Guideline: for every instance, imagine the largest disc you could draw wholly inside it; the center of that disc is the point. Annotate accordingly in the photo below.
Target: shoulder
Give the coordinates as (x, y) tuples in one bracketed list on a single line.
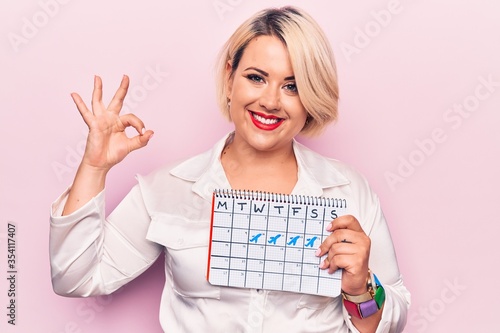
[(363, 201), (327, 167), (161, 190), (190, 169), (175, 171)]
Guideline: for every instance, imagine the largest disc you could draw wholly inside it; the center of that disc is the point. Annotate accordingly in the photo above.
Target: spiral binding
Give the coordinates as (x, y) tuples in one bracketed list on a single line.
[(280, 198)]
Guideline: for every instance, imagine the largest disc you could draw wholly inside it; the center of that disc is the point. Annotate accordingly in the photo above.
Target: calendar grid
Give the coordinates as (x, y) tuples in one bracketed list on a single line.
[(267, 241), (265, 245), (246, 262), (318, 273), (230, 247), (285, 254), (302, 266)]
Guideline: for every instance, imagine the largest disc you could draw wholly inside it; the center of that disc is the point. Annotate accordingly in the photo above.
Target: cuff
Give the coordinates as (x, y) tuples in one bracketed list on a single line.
[(57, 207)]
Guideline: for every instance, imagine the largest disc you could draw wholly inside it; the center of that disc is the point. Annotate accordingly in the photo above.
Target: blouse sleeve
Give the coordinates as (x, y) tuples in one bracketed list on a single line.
[(94, 255), (383, 263)]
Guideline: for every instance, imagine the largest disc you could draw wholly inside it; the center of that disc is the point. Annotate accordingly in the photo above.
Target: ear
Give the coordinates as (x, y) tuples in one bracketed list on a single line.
[(229, 80)]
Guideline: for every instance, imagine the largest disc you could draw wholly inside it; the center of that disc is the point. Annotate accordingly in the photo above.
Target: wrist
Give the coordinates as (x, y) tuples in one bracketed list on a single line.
[(89, 181), (368, 303), (357, 285), (92, 171)]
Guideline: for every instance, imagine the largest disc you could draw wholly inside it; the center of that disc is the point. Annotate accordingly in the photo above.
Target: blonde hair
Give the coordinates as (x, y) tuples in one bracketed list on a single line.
[(310, 55)]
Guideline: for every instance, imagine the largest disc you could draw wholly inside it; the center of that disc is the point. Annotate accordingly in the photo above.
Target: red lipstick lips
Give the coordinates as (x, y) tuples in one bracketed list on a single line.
[(265, 122)]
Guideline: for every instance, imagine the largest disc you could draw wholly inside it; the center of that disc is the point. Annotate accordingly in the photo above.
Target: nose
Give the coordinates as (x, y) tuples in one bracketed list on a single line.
[(270, 98)]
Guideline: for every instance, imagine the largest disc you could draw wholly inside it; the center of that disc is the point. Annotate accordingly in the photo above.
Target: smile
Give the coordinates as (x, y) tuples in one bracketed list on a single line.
[(266, 122)]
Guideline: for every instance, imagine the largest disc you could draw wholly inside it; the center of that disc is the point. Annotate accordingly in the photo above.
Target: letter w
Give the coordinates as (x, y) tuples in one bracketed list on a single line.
[(257, 210)]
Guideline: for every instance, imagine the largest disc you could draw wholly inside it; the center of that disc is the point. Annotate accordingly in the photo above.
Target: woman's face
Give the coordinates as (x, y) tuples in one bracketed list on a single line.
[(265, 105)]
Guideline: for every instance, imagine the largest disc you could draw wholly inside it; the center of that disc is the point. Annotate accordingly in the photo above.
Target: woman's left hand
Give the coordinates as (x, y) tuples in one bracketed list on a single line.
[(348, 247)]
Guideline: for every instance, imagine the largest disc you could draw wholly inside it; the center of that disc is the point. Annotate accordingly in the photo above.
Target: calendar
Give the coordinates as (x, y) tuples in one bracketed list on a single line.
[(268, 241)]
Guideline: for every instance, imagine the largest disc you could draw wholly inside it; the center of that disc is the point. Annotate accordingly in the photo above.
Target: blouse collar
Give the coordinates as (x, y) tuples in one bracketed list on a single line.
[(315, 172)]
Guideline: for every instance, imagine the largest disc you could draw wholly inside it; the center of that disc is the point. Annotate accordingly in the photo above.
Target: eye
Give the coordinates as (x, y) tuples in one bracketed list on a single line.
[(291, 87), (255, 78)]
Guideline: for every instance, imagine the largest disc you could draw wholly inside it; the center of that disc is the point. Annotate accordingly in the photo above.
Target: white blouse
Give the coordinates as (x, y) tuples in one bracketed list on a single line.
[(169, 211)]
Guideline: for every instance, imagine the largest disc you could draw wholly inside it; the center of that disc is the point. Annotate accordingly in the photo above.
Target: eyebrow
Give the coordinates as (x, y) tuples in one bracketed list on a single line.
[(266, 74)]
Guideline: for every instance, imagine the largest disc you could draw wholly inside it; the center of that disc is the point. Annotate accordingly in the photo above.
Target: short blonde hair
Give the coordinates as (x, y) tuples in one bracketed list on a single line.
[(310, 55)]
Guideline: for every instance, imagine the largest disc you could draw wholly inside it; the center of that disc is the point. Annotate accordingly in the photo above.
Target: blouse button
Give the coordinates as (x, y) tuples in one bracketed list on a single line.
[(180, 241)]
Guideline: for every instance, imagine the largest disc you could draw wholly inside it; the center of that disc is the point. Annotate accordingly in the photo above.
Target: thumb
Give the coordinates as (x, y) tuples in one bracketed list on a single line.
[(140, 140)]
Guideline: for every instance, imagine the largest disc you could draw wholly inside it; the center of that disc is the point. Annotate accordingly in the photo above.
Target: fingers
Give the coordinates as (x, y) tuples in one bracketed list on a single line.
[(97, 95), (140, 141), (337, 246), (143, 136), (82, 108), (344, 222), (346, 247), (131, 120), (338, 256), (344, 229), (116, 103)]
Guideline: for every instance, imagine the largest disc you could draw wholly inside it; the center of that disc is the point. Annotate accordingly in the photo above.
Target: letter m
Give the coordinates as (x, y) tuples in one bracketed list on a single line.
[(222, 204)]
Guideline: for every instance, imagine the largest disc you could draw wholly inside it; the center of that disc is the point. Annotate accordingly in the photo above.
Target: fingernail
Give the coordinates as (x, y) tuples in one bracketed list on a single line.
[(318, 252), (322, 264), (329, 227), (143, 131)]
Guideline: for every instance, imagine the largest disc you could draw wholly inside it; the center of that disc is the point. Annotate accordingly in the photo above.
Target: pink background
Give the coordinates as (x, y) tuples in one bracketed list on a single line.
[(401, 75)]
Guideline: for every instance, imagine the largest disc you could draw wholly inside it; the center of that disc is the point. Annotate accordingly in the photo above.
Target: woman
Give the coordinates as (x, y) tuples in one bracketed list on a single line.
[(276, 79)]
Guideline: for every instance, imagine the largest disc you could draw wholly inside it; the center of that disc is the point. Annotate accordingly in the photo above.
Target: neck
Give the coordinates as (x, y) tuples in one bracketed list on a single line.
[(248, 168), (239, 150)]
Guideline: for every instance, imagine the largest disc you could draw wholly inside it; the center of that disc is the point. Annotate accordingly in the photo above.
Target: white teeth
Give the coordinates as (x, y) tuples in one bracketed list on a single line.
[(264, 120)]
